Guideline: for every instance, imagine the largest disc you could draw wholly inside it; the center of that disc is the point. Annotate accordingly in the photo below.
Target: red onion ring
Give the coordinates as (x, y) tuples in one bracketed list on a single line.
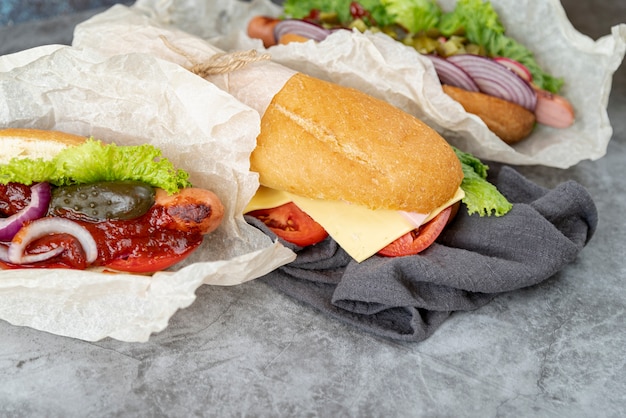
[(4, 252), (47, 226), (496, 80), (35, 258), (36, 208), (30, 258), (515, 66), (452, 74), (300, 27)]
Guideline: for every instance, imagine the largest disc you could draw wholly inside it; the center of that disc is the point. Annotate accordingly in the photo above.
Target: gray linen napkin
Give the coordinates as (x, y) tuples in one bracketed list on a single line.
[(473, 260)]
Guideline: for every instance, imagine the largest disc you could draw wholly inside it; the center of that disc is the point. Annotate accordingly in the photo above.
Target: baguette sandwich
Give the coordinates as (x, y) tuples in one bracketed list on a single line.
[(335, 161)]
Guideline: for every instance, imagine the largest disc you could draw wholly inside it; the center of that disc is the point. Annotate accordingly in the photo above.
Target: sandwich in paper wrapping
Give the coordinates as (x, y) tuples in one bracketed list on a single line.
[(133, 99), (386, 69)]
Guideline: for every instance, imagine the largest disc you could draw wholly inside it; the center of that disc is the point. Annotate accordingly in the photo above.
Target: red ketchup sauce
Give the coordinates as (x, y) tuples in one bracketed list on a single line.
[(148, 243)]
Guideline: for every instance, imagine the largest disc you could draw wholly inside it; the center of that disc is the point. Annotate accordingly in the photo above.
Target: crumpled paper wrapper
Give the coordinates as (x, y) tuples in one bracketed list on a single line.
[(133, 99), (398, 74), (253, 78)]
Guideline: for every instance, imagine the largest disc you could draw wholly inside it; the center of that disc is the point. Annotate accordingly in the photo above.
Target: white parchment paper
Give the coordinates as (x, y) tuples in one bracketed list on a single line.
[(123, 30), (133, 99), (399, 75)]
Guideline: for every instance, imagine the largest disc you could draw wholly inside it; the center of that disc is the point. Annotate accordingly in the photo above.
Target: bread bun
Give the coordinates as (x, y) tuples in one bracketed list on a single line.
[(509, 121), (34, 143), (324, 141)]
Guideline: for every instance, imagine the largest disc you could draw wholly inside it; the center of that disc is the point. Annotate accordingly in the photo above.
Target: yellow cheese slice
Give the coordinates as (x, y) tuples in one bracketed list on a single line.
[(360, 231), (267, 198)]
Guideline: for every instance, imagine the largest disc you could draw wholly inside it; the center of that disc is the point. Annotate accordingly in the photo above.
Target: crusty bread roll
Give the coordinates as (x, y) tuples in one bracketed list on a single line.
[(510, 121), (324, 141), (34, 143)]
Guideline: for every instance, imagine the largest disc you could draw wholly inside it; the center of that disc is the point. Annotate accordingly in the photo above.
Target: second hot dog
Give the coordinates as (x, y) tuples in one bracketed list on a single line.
[(513, 90)]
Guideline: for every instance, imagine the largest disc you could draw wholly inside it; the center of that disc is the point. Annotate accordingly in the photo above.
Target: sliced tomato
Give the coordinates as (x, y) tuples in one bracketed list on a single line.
[(161, 250), (136, 263), (291, 224), (139, 264), (419, 239)]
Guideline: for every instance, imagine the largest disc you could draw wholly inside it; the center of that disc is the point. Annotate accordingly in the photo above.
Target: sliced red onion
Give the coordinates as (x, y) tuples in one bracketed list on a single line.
[(31, 258), (416, 219), (452, 74), (300, 27), (4, 252), (515, 66), (36, 208), (496, 80), (35, 258), (48, 226)]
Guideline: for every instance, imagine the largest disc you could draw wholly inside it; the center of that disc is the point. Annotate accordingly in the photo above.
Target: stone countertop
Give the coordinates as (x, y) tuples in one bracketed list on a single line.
[(20, 11), (554, 350)]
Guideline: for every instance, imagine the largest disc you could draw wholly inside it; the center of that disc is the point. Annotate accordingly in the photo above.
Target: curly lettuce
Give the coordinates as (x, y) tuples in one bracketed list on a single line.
[(414, 15), (481, 197), (94, 161)]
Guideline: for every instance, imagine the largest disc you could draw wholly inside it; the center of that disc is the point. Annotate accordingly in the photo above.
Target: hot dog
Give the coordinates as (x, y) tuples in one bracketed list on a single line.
[(72, 202), (489, 74), (335, 161)]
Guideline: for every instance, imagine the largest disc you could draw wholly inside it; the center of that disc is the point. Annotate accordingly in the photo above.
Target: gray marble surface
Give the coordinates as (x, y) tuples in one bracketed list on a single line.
[(20, 11), (553, 350)]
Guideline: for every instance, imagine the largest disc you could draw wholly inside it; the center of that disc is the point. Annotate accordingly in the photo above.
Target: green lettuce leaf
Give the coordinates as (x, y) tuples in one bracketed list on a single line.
[(481, 196), (298, 9), (94, 161), (414, 15)]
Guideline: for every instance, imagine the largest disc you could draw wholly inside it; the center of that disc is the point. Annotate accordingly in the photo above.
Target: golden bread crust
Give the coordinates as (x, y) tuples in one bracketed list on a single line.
[(28, 134), (350, 146), (34, 143)]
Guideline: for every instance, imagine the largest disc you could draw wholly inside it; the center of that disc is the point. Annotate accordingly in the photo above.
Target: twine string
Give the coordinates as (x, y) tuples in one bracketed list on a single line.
[(220, 63)]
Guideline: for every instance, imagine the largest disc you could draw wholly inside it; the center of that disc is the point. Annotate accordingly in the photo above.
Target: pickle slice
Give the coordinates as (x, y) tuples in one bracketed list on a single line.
[(106, 200)]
